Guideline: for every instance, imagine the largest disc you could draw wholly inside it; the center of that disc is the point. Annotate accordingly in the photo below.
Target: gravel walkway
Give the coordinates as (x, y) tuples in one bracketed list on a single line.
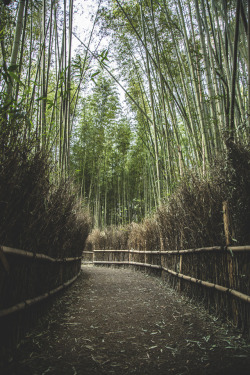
[(120, 321)]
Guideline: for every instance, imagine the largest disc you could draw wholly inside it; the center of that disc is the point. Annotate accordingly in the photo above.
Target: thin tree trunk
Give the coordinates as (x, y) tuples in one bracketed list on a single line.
[(16, 44), (43, 79), (158, 189), (234, 73), (248, 40)]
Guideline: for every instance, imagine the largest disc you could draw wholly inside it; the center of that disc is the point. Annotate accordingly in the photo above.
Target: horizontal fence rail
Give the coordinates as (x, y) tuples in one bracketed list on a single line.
[(27, 280), (220, 275), (29, 254), (174, 252), (24, 270), (29, 302)]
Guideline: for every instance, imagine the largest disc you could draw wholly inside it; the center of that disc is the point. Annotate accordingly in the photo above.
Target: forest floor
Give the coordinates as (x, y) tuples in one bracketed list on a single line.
[(120, 321)]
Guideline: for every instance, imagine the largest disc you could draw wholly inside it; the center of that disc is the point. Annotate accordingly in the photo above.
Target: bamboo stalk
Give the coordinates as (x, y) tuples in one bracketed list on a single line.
[(128, 263), (68, 259), (27, 303), (4, 261), (87, 262), (226, 221), (34, 300), (20, 306), (238, 248), (155, 266), (111, 262)]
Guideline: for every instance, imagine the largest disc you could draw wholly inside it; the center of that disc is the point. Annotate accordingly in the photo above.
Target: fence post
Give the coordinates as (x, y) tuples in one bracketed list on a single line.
[(230, 265), (161, 256), (180, 271), (4, 261), (226, 221)]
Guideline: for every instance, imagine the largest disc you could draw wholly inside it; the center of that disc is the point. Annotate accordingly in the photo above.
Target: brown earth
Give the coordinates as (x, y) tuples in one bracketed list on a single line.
[(120, 321)]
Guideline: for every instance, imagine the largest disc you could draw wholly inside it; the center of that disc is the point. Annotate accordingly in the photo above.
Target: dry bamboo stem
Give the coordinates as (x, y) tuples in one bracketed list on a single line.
[(111, 262), (226, 221), (4, 261), (22, 305), (29, 254), (239, 248)]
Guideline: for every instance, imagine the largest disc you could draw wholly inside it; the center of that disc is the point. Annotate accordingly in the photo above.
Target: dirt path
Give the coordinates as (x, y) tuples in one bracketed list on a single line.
[(119, 321)]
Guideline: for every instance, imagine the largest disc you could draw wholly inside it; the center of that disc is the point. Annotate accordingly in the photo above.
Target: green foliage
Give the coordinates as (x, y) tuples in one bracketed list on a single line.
[(100, 141), (107, 159), (192, 216), (175, 61)]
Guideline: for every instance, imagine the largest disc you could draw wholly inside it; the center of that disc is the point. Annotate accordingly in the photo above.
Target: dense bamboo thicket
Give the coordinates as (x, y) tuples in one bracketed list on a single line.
[(110, 238), (193, 216), (40, 210), (36, 76), (184, 68), (37, 214), (40, 216)]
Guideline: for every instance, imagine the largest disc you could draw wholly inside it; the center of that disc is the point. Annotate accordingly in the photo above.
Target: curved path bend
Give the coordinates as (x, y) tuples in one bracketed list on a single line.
[(119, 321)]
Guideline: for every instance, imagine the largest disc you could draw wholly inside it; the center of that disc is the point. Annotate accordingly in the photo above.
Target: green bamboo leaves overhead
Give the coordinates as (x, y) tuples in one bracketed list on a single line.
[(193, 69), (37, 81), (184, 69)]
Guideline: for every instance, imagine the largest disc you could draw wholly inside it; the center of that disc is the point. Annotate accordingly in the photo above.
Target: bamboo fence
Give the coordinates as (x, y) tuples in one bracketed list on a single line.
[(29, 276), (218, 275), (27, 280)]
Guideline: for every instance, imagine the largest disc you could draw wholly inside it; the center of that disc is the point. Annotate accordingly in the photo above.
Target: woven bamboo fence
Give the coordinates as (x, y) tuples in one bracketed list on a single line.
[(217, 276), (27, 280)]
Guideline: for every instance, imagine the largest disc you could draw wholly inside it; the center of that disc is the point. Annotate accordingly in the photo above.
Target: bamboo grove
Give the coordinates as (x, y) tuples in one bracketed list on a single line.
[(40, 79), (189, 69), (183, 67)]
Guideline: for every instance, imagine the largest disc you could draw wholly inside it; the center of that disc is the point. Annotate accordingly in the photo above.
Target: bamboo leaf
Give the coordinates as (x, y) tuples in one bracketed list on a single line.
[(15, 77)]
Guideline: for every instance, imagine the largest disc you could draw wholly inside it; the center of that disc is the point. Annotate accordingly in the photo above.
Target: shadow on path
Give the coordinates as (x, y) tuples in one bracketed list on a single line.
[(119, 321)]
